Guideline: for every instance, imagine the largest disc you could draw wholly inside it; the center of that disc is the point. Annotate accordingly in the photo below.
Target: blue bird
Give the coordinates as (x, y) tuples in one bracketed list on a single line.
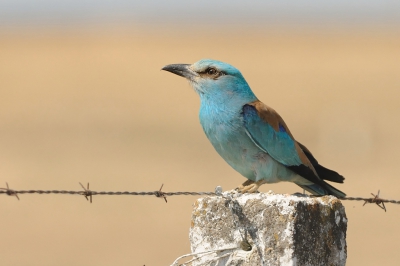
[(251, 136)]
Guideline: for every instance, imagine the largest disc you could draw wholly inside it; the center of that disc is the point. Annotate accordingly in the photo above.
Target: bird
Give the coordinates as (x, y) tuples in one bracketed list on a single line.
[(249, 135)]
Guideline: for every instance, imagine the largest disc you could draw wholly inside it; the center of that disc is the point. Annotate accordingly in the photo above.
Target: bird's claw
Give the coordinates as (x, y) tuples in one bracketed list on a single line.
[(250, 186)]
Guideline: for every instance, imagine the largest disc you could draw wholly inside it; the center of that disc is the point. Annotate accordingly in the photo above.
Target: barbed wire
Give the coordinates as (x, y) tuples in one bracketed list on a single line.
[(88, 194)]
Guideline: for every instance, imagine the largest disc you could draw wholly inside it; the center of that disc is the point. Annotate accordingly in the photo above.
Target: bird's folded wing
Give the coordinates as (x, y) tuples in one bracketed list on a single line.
[(269, 132)]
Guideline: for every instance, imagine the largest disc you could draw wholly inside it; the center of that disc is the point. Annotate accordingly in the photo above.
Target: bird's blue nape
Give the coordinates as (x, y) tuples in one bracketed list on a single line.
[(220, 83)]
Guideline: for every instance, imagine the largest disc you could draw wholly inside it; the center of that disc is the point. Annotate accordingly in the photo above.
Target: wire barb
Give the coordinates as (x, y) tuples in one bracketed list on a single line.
[(87, 192), (10, 192), (160, 194), (377, 200)]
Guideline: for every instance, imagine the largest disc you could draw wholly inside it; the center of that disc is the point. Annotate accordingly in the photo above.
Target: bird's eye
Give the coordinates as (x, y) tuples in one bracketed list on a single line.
[(212, 71)]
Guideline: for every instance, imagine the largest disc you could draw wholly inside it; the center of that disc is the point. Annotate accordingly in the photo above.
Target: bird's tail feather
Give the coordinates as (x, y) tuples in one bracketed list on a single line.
[(323, 172), (328, 174), (321, 191)]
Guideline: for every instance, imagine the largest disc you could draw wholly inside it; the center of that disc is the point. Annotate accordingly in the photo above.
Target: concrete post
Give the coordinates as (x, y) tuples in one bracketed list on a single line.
[(268, 229)]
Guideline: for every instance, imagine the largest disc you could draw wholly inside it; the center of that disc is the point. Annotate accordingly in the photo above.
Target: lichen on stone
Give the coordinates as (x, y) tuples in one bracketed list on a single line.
[(281, 229)]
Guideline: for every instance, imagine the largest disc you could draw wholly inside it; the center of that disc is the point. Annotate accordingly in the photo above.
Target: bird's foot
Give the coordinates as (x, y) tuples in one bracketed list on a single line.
[(250, 186)]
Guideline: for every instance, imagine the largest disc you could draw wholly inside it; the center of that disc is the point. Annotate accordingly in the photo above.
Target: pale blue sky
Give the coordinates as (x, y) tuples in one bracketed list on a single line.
[(187, 12)]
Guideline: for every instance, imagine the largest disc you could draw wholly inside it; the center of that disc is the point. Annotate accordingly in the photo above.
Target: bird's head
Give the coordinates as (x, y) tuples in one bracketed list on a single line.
[(210, 77)]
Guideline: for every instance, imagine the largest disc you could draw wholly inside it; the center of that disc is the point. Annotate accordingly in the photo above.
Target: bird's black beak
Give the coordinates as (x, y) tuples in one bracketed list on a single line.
[(182, 70)]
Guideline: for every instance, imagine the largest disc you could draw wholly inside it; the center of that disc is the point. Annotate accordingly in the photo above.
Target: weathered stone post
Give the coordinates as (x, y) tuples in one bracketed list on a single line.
[(268, 229)]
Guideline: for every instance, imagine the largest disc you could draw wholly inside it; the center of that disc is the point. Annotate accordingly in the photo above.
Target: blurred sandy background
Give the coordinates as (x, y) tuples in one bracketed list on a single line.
[(90, 104)]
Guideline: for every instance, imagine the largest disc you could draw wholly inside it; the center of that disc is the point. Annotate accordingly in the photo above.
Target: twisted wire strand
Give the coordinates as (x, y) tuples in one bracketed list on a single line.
[(113, 193), (161, 194), (370, 200), (154, 193)]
